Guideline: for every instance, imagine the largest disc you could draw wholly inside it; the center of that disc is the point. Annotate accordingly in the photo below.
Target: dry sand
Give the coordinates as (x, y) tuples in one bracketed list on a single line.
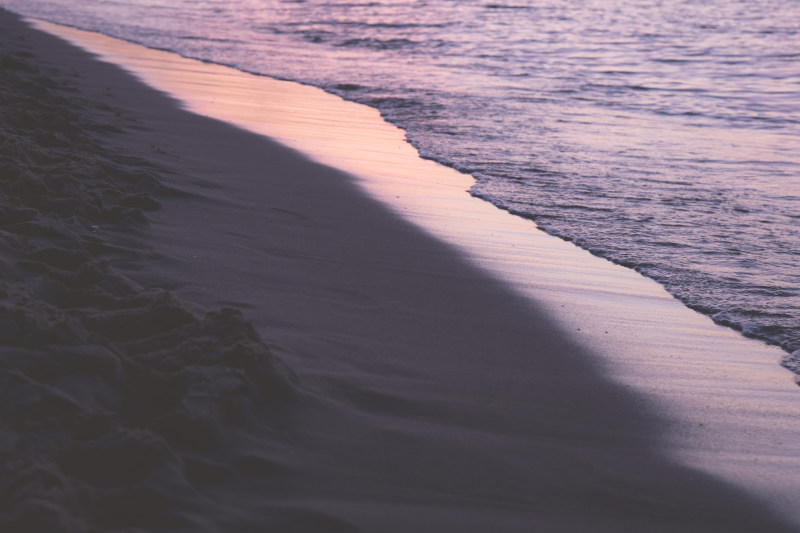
[(403, 389)]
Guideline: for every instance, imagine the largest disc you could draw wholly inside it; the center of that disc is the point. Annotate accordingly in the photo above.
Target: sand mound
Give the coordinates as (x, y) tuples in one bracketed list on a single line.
[(109, 388)]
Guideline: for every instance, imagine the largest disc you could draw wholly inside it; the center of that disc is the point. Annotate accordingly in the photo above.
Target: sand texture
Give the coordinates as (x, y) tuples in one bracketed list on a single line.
[(147, 251), (106, 380)]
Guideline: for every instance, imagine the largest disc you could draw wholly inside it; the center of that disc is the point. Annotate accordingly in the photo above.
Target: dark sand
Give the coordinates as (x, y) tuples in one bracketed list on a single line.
[(147, 251)]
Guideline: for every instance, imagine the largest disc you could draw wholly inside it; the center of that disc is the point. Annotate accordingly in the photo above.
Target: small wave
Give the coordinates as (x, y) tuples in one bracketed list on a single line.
[(401, 26), (505, 6), (792, 362), (348, 87), (380, 44), (208, 39), (584, 207)]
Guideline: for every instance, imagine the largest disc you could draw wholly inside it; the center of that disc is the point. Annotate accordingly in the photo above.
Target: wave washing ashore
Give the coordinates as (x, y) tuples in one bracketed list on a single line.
[(660, 135), (423, 395)]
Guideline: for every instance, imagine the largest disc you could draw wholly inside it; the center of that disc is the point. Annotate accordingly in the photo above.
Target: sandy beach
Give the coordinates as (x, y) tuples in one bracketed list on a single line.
[(205, 330)]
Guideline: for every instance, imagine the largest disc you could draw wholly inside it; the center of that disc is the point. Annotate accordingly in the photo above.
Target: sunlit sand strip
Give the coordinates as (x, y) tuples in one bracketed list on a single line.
[(736, 412)]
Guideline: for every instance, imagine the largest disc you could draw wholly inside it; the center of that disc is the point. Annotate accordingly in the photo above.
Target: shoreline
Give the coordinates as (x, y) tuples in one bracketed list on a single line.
[(717, 312), (423, 383), (726, 397), (385, 178)]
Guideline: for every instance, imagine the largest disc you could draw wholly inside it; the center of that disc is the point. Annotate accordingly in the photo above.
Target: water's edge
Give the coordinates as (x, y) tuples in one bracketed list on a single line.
[(791, 360)]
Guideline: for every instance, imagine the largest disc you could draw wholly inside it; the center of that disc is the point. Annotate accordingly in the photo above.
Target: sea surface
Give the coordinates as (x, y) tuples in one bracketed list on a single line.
[(663, 135)]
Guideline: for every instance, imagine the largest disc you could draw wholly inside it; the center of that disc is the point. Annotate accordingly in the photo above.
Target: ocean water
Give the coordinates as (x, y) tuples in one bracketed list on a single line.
[(663, 135)]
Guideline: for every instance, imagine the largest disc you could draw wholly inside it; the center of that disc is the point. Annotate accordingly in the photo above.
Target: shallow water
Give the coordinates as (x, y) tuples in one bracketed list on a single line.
[(660, 135)]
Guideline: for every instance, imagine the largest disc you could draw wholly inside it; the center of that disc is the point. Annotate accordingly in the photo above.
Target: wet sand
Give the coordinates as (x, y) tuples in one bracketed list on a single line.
[(210, 332)]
